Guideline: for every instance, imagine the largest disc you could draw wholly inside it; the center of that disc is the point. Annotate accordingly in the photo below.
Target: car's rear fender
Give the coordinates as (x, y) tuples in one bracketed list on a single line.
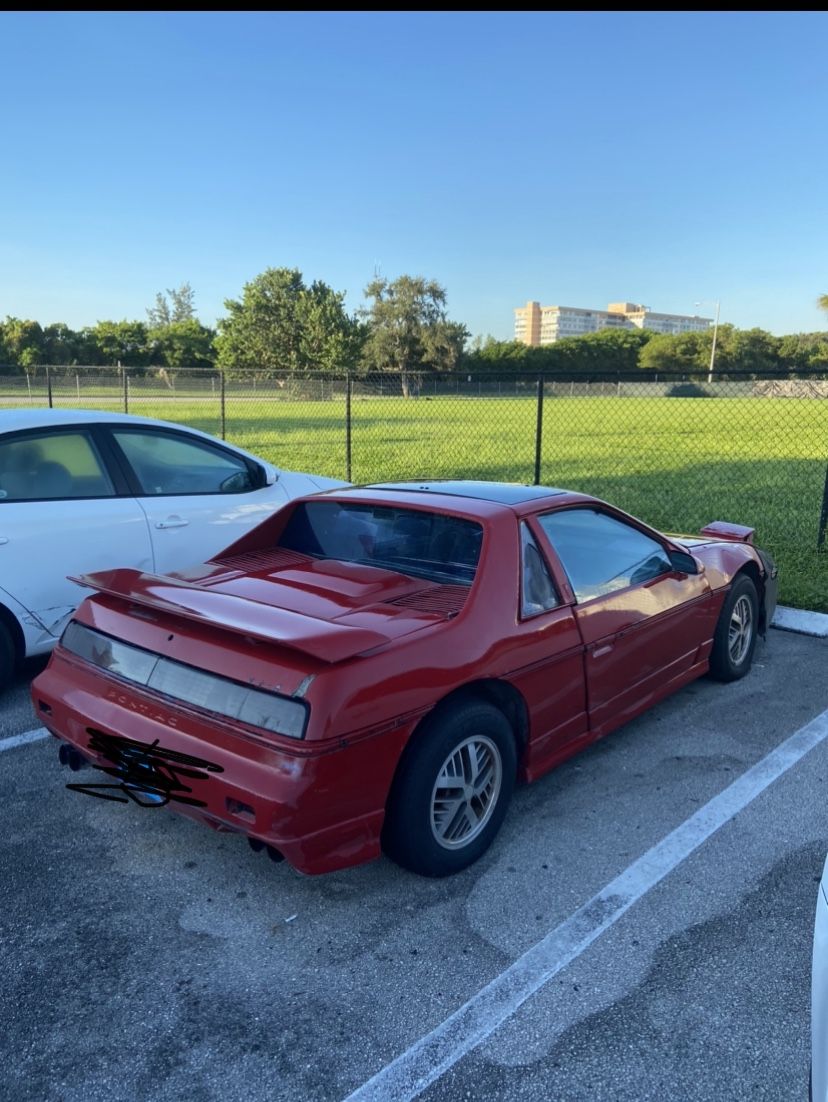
[(500, 694)]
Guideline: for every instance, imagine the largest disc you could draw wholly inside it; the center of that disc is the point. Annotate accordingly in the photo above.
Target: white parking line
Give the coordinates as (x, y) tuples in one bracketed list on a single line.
[(21, 740), (431, 1056)]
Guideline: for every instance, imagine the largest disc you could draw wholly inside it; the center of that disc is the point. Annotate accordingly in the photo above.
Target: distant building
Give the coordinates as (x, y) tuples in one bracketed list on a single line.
[(536, 324)]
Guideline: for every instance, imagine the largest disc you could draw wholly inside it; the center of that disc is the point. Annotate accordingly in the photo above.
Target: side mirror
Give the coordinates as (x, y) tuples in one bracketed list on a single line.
[(271, 474), (685, 563)]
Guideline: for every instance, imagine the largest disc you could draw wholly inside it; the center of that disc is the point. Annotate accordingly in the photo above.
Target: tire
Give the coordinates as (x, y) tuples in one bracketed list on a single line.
[(735, 638), (8, 656), (468, 749)]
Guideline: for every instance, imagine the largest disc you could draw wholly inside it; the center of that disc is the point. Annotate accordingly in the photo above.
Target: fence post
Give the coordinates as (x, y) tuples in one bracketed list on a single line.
[(49, 384), (348, 427), (823, 516), (539, 432), (223, 408), (126, 390)]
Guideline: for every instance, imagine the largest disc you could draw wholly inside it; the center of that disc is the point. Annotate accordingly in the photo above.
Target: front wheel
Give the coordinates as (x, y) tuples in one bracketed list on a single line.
[(452, 790), (735, 638)]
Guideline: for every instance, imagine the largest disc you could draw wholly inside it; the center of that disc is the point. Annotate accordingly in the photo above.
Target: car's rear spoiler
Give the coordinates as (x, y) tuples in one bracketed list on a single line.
[(723, 530), (322, 639)]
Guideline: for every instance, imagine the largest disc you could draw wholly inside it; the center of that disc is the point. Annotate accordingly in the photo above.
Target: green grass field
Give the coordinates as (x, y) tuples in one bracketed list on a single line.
[(675, 462)]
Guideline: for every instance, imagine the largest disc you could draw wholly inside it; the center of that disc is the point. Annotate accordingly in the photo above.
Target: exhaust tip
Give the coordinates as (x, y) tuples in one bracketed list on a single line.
[(68, 755)]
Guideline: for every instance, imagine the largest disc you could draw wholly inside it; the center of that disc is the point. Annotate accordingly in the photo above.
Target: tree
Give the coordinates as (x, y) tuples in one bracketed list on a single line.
[(822, 302), (682, 353), (121, 342), (491, 355), (283, 327), (753, 350), (408, 331), (177, 307), (606, 351), (62, 345), (329, 340), (185, 343), (23, 341), (804, 350)]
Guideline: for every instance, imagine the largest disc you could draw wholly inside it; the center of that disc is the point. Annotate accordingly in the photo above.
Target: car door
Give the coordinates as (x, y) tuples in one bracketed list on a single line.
[(198, 496), (62, 512), (643, 623)]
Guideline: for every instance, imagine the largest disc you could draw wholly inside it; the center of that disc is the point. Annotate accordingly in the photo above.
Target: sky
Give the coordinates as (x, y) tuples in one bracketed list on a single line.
[(574, 158)]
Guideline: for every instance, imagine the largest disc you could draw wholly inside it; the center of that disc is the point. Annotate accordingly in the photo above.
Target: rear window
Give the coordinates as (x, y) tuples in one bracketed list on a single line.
[(410, 541)]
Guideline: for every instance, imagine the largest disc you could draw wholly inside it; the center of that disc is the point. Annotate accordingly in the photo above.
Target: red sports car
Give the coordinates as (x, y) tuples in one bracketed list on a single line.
[(373, 668)]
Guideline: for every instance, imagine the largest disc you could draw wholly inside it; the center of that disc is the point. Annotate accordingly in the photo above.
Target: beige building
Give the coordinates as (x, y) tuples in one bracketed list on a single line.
[(536, 324)]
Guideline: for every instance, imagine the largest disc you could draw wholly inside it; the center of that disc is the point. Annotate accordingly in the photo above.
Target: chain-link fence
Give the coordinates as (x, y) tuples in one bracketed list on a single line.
[(676, 451)]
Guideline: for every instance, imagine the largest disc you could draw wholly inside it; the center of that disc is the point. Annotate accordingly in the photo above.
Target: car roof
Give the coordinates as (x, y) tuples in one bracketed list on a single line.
[(500, 493), (28, 418), (19, 420)]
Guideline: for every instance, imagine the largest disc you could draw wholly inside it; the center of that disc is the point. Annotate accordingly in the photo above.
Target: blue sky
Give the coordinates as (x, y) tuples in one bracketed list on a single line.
[(573, 157)]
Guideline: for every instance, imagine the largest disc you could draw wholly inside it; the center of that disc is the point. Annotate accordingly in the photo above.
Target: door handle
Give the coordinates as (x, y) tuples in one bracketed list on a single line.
[(599, 652), (172, 522), (3, 539)]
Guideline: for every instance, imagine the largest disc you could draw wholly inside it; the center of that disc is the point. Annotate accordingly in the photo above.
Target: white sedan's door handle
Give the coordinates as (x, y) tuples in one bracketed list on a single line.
[(172, 522)]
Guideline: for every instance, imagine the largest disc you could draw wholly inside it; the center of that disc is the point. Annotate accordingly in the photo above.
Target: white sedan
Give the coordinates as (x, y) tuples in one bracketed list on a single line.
[(819, 996), (82, 490)]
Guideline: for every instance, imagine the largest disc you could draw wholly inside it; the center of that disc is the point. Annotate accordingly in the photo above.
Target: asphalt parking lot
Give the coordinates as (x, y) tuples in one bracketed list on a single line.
[(624, 939)]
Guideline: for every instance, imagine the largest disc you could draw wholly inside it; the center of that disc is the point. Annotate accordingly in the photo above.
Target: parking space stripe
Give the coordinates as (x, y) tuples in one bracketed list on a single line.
[(435, 1053), (21, 740)]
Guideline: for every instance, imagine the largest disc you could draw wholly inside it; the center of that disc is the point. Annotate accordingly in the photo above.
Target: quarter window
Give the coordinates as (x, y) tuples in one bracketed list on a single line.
[(537, 590), (602, 554)]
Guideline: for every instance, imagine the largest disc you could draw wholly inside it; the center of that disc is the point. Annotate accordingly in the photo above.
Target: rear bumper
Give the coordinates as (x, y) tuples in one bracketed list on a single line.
[(322, 810)]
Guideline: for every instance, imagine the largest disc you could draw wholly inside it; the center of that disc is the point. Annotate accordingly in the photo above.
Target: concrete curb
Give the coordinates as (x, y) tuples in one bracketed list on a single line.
[(801, 621)]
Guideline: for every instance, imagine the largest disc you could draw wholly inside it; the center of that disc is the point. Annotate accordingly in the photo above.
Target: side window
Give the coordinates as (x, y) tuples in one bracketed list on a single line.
[(537, 590), (51, 466), (165, 463), (600, 553)]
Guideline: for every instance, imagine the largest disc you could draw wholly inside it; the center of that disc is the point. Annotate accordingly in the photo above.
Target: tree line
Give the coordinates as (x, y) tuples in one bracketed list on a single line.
[(283, 326)]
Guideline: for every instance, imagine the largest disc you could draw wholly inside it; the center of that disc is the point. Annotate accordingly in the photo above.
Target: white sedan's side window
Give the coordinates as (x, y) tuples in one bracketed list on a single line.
[(165, 463), (51, 466)]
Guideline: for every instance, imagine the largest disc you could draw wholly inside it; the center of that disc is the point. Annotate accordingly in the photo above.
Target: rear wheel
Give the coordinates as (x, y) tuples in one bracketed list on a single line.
[(452, 790), (735, 638), (8, 657)]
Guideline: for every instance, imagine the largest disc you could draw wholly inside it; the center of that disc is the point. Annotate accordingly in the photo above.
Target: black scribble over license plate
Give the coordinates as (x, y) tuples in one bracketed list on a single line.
[(144, 773)]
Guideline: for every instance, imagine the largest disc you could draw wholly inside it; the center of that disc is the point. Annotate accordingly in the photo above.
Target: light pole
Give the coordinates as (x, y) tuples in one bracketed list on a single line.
[(715, 332)]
